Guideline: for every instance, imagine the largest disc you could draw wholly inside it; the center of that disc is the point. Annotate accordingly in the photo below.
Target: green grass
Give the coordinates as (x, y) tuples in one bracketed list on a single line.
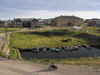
[(20, 40), (3, 30), (52, 38), (15, 54), (70, 61)]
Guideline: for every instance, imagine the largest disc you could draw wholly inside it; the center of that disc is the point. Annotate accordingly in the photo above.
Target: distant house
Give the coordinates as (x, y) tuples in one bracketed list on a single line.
[(41, 21), (25, 22), (86, 21), (94, 22), (47, 21), (17, 23), (67, 20), (34, 23)]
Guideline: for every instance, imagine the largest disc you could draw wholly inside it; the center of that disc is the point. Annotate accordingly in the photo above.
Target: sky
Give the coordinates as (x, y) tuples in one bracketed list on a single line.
[(86, 9)]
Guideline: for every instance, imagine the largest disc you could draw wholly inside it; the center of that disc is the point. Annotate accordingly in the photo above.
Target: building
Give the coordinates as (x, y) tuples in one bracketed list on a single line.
[(25, 22), (94, 22), (67, 20), (47, 21), (41, 21)]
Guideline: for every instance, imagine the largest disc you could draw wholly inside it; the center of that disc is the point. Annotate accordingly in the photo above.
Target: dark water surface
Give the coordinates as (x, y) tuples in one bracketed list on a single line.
[(82, 52)]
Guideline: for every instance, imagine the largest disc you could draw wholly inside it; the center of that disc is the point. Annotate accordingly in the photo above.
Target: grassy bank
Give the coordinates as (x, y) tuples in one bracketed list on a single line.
[(3, 52), (4, 30), (71, 61), (14, 53)]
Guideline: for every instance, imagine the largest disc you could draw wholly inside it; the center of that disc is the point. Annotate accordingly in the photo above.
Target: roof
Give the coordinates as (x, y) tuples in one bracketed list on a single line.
[(26, 19), (68, 17)]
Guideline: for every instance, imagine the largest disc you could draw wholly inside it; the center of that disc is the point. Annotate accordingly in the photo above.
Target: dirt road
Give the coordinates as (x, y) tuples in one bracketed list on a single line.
[(17, 67)]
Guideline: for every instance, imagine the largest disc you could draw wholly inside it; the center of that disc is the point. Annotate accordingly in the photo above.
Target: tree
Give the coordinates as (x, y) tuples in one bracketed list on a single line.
[(1, 22)]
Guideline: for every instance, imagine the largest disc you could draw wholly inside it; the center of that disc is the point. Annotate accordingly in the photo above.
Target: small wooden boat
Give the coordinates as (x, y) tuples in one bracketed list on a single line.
[(65, 48), (56, 50), (36, 50), (75, 48), (69, 48), (44, 50), (52, 49), (60, 48), (88, 47)]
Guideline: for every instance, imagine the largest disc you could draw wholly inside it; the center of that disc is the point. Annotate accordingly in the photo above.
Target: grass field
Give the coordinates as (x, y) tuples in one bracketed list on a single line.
[(30, 39), (4, 30)]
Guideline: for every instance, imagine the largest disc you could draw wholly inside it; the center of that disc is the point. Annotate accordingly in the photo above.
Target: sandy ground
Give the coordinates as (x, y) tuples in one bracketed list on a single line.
[(17, 67)]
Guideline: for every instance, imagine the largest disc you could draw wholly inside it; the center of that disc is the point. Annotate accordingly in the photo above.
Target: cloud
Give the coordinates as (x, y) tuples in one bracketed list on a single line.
[(48, 8), (53, 5), (19, 13)]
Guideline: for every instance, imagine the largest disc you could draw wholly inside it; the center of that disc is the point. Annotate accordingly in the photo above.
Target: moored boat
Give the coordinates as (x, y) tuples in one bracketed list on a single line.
[(52, 49), (44, 50)]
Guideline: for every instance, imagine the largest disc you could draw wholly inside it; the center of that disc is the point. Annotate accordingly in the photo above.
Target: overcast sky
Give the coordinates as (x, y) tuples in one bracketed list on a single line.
[(85, 9)]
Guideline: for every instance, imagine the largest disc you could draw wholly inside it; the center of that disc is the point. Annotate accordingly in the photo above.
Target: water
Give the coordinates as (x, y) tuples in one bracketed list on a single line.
[(82, 52)]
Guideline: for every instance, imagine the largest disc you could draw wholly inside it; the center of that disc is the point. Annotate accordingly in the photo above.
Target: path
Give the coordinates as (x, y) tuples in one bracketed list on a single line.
[(17, 67), (2, 38), (80, 27)]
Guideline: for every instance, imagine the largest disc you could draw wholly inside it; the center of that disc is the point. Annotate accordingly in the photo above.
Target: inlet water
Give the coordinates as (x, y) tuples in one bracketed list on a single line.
[(82, 52)]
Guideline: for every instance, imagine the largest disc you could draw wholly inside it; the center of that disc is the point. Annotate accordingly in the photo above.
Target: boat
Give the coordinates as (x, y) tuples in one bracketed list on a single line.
[(75, 48), (44, 50), (60, 49), (52, 49), (69, 48), (56, 50), (88, 47), (65, 48), (36, 50)]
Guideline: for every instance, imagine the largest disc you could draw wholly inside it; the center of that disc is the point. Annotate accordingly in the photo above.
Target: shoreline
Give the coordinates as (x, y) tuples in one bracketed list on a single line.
[(58, 47)]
